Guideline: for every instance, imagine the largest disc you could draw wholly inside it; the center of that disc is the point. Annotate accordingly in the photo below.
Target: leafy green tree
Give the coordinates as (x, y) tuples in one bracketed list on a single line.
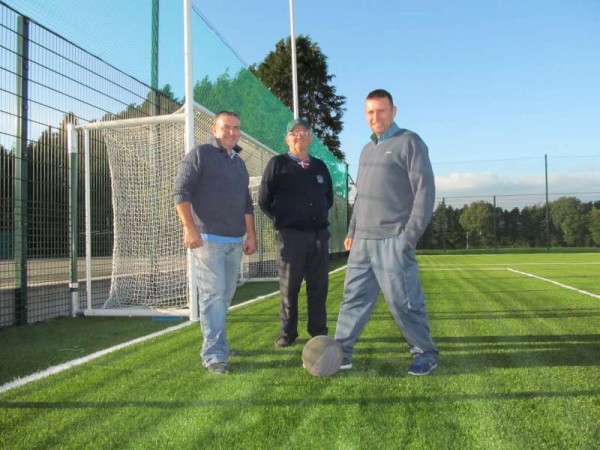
[(478, 220), (317, 98), (434, 234), (167, 92), (444, 230), (509, 227), (567, 214), (594, 224), (455, 234), (533, 219)]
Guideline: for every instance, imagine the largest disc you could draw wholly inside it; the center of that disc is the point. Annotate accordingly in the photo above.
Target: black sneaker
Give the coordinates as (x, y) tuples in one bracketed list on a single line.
[(219, 368), (284, 341)]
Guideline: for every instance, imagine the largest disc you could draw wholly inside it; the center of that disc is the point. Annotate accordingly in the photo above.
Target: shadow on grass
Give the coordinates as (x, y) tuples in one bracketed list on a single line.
[(471, 354), (486, 314), (515, 314), (305, 400)]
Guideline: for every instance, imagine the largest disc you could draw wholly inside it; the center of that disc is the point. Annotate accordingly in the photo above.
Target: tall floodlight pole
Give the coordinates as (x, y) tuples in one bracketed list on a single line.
[(154, 61), (294, 66), (547, 205), (189, 137), (154, 68)]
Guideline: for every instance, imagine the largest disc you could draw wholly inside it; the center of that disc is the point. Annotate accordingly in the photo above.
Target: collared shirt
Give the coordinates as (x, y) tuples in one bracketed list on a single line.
[(302, 163), (386, 134), (231, 155)]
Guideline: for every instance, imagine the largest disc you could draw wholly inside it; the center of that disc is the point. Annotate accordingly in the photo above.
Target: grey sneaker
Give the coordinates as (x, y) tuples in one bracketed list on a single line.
[(219, 368), (420, 367)]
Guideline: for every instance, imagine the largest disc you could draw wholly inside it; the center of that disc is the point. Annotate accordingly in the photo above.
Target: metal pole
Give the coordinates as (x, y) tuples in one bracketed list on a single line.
[(21, 190), (294, 66), (72, 151), (189, 138), (87, 181), (495, 229), (547, 206), (189, 90), (444, 224), (154, 69)]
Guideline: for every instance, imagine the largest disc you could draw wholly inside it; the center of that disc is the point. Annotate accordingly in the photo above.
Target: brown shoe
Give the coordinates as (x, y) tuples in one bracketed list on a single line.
[(284, 341), (219, 368)]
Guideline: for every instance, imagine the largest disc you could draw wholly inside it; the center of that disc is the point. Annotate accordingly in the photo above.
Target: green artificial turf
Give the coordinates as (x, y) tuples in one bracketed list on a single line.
[(519, 368)]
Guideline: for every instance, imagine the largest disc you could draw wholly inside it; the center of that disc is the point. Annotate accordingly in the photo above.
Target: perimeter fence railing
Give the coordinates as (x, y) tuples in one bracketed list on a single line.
[(567, 220), (48, 82)]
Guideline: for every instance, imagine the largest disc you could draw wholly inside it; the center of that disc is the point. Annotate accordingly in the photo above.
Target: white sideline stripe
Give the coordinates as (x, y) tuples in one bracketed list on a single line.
[(77, 362), (84, 359), (566, 286)]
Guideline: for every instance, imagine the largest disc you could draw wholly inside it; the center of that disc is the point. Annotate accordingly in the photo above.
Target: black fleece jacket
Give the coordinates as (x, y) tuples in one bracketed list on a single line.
[(294, 197)]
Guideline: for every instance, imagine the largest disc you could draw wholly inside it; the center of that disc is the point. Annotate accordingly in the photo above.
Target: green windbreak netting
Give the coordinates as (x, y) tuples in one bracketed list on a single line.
[(149, 47), (264, 116)]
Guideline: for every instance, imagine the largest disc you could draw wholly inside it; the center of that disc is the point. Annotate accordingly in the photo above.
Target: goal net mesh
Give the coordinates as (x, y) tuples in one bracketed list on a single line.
[(149, 267)]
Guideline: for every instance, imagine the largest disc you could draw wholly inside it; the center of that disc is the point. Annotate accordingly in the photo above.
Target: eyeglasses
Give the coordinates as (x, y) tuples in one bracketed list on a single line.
[(299, 133)]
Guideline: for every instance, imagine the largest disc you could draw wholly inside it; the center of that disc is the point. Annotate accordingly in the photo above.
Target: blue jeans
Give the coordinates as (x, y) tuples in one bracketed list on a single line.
[(217, 271), (387, 265)]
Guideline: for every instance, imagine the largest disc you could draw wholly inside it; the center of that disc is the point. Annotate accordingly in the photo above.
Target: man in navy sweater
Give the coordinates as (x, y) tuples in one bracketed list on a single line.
[(296, 193), (215, 208), (394, 203)]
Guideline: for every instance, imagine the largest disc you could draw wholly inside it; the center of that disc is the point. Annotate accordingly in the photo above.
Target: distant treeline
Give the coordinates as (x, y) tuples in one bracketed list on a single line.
[(567, 221)]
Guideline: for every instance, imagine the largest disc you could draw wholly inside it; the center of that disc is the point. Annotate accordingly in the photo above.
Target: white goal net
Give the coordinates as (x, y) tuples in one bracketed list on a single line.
[(149, 263)]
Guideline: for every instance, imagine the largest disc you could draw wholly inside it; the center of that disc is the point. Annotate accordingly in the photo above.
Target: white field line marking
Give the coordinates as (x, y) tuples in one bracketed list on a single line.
[(77, 362), (421, 265), (458, 269), (84, 359), (566, 286)]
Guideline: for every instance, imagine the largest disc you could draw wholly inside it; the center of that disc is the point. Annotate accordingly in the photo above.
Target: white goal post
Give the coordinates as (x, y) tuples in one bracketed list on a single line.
[(150, 267), (150, 273)]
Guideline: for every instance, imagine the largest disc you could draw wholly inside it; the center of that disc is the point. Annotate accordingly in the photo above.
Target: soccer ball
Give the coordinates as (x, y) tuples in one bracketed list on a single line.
[(322, 356)]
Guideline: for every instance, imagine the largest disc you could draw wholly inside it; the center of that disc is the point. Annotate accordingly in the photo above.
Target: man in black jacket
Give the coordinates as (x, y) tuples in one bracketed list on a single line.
[(296, 193)]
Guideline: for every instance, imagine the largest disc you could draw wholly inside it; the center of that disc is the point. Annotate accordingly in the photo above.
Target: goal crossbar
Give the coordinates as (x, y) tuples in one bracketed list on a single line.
[(150, 267)]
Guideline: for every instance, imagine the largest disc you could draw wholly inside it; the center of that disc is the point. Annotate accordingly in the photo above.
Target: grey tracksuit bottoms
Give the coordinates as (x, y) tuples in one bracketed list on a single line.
[(387, 265)]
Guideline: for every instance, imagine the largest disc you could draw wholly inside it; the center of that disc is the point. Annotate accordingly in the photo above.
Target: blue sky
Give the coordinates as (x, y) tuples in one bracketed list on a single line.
[(491, 86), (500, 83)]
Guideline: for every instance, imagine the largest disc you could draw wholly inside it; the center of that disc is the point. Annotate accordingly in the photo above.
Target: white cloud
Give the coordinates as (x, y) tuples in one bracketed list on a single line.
[(514, 191)]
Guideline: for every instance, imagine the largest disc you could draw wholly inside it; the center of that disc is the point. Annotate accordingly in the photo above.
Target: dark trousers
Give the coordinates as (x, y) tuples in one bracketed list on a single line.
[(303, 255)]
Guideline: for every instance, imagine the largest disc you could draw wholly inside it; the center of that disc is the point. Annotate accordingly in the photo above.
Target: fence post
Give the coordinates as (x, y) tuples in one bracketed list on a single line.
[(444, 224), (72, 149), (495, 228), (547, 205), (21, 192)]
